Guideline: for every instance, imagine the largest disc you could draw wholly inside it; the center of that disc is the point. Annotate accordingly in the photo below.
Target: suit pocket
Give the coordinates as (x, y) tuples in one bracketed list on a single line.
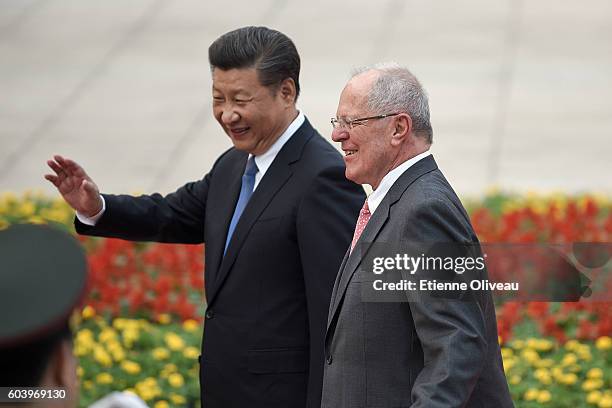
[(273, 361)]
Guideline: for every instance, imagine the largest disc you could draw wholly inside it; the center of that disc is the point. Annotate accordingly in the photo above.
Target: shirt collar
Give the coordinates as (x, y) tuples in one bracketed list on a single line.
[(264, 160), (390, 178)]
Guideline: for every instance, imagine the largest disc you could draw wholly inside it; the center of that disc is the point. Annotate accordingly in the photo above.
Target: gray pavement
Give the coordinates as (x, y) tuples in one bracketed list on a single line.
[(520, 91)]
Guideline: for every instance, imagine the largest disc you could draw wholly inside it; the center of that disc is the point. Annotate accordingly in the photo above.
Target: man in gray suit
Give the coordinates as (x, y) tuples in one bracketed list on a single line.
[(436, 352)]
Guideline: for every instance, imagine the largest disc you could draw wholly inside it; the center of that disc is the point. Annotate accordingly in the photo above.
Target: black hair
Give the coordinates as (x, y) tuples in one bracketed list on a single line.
[(270, 52), (24, 365)]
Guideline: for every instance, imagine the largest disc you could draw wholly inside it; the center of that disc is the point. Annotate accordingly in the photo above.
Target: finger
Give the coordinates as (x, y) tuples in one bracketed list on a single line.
[(64, 164), (59, 171), (75, 168), (53, 179), (55, 167)]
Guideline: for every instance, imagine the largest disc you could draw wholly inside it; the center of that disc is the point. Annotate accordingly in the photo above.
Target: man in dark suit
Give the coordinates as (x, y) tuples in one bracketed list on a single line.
[(276, 214), (433, 352)]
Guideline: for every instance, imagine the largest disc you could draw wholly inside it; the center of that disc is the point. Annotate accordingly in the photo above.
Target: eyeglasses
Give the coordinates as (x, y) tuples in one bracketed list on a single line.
[(350, 124)]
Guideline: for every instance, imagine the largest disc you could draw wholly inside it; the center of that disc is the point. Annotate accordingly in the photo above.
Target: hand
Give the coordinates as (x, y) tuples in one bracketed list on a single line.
[(75, 186)]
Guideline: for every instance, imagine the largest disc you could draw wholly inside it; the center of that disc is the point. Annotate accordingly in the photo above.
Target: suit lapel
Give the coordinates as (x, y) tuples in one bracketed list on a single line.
[(276, 176), (371, 231), (368, 235), (224, 210), (337, 282)]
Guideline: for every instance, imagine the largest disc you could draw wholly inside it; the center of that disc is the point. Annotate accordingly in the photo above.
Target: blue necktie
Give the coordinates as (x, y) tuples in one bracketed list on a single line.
[(246, 191)]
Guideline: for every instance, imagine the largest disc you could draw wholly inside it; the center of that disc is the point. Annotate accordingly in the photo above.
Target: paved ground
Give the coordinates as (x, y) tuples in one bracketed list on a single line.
[(520, 90)]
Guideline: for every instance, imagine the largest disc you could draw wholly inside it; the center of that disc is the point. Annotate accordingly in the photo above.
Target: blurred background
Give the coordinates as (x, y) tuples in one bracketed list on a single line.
[(519, 90), (520, 100)]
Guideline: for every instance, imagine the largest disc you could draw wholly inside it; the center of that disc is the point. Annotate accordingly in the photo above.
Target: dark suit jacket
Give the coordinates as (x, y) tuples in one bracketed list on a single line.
[(430, 353), (268, 297)]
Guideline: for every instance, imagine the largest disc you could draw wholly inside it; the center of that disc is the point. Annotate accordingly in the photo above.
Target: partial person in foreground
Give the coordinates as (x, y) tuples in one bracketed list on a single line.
[(38, 292), (434, 353), (276, 214)]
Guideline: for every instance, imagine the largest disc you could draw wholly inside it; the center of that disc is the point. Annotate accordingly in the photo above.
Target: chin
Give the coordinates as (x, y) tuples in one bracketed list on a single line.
[(350, 175)]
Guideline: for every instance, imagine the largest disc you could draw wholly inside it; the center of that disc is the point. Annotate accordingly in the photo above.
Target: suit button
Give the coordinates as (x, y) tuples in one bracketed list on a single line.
[(329, 359), (210, 314)]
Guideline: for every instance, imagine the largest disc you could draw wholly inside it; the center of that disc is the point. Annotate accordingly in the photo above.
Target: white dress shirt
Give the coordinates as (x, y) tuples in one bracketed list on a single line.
[(390, 178), (263, 162)]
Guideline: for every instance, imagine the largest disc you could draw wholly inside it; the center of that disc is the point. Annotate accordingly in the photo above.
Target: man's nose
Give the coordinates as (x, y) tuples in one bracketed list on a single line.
[(229, 116), (339, 134)]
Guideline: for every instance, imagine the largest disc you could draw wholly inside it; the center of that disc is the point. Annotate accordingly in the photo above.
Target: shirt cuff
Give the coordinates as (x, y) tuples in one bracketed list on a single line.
[(93, 220)]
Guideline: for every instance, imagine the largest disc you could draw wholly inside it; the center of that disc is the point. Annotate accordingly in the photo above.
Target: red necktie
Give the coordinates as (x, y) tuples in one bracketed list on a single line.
[(362, 221)]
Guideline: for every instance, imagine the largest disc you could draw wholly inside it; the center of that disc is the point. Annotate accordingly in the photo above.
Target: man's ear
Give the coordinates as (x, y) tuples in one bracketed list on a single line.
[(287, 91), (63, 365), (402, 128)]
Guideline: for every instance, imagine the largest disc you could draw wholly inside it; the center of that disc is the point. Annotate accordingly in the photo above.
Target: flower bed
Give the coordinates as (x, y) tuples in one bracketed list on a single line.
[(160, 288)]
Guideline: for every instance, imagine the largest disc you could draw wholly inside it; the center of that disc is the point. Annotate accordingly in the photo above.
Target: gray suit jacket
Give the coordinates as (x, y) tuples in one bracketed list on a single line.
[(435, 353)]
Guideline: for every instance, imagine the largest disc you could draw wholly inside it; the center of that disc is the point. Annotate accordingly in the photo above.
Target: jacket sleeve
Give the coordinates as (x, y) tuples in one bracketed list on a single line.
[(325, 223), (177, 217), (452, 332)]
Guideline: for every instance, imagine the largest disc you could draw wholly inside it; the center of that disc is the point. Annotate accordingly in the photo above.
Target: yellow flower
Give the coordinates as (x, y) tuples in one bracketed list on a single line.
[(518, 344), (88, 312), (604, 343), (84, 342), (88, 385), (543, 345), (595, 373), (584, 352), (116, 351), (107, 335), (161, 404), (543, 376), (594, 397), (569, 379), (85, 335), (544, 363), (605, 402), (569, 359), (531, 394), (544, 396), (176, 380), (593, 384), (148, 389), (191, 353), (515, 379), (174, 341), (160, 353), (506, 352), (530, 355), (572, 345), (102, 356), (167, 370), (104, 378), (164, 318), (80, 371), (130, 367), (191, 325), (509, 363), (130, 335), (26, 209), (177, 399)]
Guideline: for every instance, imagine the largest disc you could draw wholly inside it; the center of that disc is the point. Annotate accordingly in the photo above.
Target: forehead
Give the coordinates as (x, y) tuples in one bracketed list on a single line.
[(354, 96), (236, 80)]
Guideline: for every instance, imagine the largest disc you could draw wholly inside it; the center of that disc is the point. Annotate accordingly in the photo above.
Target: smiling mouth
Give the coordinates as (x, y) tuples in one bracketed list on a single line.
[(349, 152), (239, 131)]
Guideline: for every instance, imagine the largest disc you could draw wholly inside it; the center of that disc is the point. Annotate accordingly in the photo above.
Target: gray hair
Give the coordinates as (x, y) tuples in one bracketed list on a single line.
[(398, 90)]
